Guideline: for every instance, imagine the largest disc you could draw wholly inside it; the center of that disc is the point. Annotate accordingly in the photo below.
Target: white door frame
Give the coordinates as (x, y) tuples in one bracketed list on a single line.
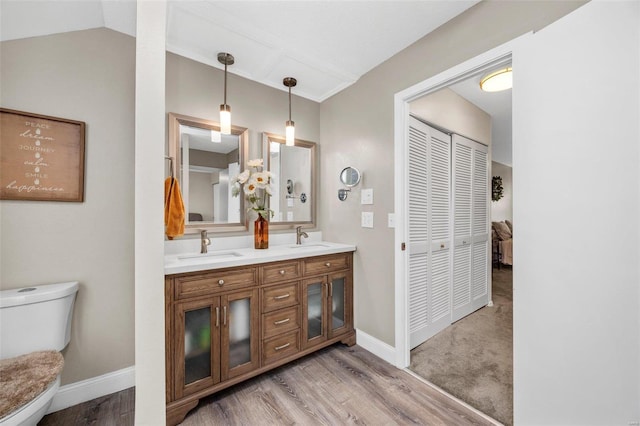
[(488, 60)]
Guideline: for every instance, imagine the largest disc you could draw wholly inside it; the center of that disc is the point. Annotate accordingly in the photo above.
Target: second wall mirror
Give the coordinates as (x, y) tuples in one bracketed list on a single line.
[(294, 197), (206, 161)]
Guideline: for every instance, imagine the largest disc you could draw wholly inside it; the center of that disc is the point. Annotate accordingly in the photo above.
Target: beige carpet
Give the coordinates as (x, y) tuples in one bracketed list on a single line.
[(473, 358)]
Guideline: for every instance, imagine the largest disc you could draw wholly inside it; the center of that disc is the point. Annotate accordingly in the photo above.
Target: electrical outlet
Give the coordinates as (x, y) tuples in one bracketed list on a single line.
[(289, 216), (367, 219), (366, 196)]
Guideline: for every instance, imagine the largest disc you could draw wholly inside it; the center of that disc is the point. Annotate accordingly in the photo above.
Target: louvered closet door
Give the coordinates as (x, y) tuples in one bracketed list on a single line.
[(470, 207), (429, 232)]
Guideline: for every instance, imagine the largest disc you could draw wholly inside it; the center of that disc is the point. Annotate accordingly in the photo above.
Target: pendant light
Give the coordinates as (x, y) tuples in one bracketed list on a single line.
[(225, 110), (290, 130), (497, 80)]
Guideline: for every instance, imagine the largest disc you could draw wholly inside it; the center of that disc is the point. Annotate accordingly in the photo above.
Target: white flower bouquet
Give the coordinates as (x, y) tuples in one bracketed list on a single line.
[(257, 187)]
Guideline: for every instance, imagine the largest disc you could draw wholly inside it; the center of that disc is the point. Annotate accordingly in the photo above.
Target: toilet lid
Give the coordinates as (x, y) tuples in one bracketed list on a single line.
[(25, 377)]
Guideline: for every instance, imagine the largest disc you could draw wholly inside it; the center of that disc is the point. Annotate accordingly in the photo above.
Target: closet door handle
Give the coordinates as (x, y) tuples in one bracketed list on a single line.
[(224, 315), (217, 316)]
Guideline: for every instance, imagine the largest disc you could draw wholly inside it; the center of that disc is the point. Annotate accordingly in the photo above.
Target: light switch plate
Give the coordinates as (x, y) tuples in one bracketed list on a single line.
[(391, 220), (367, 219), (366, 196)]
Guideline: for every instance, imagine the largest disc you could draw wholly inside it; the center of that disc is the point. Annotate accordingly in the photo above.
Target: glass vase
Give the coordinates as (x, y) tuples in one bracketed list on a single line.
[(261, 233)]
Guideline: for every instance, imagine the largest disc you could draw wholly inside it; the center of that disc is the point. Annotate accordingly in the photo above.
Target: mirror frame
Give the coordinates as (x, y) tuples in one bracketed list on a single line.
[(345, 170), (175, 120), (267, 138)]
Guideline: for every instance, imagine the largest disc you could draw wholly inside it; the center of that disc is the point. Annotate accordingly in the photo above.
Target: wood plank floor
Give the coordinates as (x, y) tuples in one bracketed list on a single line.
[(337, 385)]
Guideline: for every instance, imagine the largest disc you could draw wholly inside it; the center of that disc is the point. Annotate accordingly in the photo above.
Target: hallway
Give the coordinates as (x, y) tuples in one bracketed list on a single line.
[(473, 358)]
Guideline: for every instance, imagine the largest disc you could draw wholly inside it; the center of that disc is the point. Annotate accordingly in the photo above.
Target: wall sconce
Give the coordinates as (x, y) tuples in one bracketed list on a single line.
[(497, 80), (225, 110), (290, 129)]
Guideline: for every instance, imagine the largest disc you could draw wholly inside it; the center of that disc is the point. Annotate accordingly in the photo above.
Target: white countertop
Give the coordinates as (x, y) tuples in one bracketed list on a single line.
[(193, 261)]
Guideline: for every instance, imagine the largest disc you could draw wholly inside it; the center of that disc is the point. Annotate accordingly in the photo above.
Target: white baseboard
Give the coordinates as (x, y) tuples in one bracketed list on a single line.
[(376, 346), (86, 390)]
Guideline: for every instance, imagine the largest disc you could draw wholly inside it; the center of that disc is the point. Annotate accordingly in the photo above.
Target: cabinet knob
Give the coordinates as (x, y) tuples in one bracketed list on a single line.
[(220, 282), (282, 272), (327, 264), (441, 245)]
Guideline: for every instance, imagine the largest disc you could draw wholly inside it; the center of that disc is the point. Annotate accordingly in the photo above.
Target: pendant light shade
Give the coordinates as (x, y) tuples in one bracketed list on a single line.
[(290, 132), (497, 81), (225, 110)]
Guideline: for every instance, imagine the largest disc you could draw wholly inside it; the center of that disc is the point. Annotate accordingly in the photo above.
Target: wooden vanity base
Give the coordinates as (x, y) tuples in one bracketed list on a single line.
[(289, 309)]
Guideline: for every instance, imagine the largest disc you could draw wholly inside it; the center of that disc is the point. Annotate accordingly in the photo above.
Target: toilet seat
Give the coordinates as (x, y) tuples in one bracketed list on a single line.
[(27, 386), (31, 413)]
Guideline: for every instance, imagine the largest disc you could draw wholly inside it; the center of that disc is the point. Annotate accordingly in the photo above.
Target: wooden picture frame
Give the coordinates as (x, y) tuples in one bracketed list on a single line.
[(41, 157)]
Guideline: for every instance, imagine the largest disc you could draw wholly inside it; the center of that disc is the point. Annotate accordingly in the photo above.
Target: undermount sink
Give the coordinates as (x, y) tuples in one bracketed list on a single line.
[(212, 254), (310, 245)]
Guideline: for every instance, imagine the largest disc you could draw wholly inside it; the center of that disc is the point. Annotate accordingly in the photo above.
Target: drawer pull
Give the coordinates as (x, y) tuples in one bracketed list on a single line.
[(282, 272), (284, 296), (284, 321), (220, 282), (279, 348), (327, 264)]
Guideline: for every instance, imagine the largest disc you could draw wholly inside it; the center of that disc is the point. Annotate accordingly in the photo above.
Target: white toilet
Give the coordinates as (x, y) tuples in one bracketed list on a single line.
[(35, 319)]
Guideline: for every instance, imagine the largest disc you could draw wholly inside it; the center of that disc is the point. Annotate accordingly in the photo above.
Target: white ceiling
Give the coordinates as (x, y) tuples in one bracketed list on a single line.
[(498, 106), (325, 45)]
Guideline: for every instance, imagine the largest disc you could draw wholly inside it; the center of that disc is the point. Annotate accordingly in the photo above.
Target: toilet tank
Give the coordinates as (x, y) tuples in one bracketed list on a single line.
[(36, 318)]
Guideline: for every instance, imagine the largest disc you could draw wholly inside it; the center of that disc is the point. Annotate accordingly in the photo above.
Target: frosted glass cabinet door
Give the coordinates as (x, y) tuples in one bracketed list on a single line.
[(339, 307), (314, 311), (197, 346), (240, 316)]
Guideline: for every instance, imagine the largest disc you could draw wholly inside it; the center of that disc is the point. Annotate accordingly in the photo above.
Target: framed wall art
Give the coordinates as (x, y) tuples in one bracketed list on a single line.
[(41, 157)]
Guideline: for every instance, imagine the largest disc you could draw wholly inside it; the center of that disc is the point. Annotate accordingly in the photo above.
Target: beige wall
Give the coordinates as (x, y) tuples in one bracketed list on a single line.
[(450, 111), (357, 129), (90, 76), (86, 76)]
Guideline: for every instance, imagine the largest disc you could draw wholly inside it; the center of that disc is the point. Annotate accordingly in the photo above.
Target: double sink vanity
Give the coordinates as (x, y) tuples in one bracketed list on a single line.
[(234, 313)]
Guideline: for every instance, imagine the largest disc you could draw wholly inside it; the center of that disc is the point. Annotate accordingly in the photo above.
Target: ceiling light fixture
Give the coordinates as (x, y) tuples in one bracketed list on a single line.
[(290, 130), (497, 80), (225, 110)]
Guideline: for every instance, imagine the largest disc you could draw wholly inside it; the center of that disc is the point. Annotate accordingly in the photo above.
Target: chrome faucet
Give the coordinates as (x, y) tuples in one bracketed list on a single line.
[(204, 241), (300, 234)]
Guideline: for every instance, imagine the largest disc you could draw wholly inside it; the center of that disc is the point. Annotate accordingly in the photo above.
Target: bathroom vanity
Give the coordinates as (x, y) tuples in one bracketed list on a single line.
[(236, 314)]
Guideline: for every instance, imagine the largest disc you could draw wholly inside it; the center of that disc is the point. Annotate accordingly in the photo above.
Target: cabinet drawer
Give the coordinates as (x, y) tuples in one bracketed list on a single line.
[(280, 296), (280, 272), (215, 282), (281, 321), (320, 265), (280, 347)]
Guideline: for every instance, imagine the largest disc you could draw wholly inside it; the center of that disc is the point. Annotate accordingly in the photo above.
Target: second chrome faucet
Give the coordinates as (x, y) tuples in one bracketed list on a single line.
[(204, 241), (300, 234)]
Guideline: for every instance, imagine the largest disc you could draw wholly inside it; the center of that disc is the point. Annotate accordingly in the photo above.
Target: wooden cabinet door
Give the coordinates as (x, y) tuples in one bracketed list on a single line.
[(240, 333), (339, 303), (314, 311), (196, 341)]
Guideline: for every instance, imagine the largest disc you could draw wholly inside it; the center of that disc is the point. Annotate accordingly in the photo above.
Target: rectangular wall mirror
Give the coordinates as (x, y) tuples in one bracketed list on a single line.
[(205, 163), (294, 196)]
